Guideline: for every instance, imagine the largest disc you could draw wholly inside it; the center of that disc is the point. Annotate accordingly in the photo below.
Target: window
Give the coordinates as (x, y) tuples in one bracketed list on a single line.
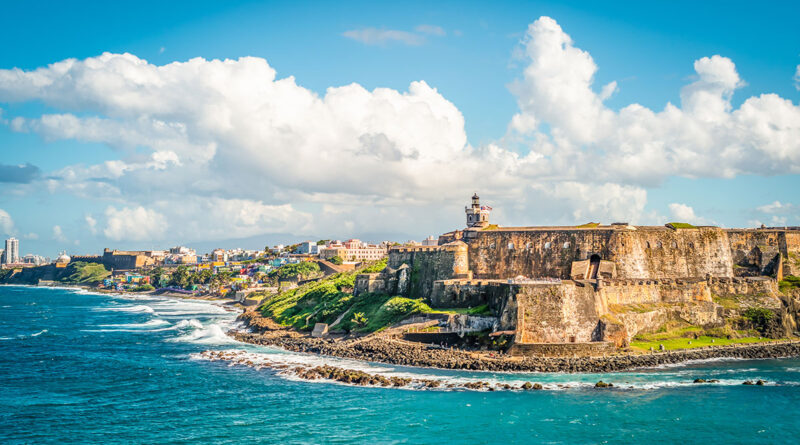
[(566, 245), (659, 245), (510, 246), (647, 245), (528, 245), (691, 245), (547, 245), (674, 245)]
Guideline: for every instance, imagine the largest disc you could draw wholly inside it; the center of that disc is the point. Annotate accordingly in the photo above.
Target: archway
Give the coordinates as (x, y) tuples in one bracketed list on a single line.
[(594, 266)]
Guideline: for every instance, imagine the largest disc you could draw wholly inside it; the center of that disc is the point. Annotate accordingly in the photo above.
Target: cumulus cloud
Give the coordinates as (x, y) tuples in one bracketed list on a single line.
[(6, 224), (375, 36), (704, 137), (134, 224), (684, 213), (225, 148)]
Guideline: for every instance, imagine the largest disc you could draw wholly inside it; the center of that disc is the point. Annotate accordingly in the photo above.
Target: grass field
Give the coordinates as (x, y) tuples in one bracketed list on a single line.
[(688, 343)]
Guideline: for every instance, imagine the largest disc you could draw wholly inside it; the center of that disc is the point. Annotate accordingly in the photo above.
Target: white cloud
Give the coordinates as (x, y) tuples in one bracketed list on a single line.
[(6, 224), (374, 36), (776, 207), (684, 213), (797, 78), (224, 148), (58, 234), (431, 29), (30, 236), (134, 224), (705, 137), (91, 223)]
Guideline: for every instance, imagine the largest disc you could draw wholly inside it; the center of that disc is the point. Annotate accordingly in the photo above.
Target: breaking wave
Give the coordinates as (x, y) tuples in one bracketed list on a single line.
[(139, 308)]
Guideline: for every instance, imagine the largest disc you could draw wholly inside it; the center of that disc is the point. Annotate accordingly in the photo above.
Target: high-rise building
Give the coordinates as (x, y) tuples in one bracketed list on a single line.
[(12, 250)]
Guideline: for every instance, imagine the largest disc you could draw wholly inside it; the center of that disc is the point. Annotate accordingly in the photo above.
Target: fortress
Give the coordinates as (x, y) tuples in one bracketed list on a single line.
[(595, 286)]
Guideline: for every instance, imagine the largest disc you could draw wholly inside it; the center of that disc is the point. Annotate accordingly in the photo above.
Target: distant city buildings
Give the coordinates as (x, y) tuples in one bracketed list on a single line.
[(11, 254), (307, 248), (354, 250), (430, 241)]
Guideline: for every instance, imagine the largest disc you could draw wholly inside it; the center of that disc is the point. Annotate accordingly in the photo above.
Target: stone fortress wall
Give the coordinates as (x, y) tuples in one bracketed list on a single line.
[(598, 284), (637, 252)]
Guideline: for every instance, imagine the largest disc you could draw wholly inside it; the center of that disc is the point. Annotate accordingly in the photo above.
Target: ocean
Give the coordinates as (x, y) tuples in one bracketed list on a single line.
[(79, 367)]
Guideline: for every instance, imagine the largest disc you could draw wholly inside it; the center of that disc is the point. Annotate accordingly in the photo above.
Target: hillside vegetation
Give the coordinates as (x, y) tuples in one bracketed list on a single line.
[(331, 298)]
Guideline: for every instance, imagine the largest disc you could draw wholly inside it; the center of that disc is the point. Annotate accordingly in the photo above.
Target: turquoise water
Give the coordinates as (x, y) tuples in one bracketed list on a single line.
[(77, 367)]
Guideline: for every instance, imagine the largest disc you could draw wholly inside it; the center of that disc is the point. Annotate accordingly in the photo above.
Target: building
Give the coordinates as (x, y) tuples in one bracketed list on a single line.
[(430, 241), (307, 248), (477, 215), (36, 260), (12, 251), (353, 250), (586, 287)]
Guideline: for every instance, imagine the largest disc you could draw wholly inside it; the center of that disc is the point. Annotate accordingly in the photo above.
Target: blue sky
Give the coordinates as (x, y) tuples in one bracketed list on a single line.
[(471, 57)]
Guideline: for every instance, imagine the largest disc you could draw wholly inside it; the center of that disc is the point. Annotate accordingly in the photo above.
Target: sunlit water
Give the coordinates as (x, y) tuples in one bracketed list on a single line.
[(77, 367)]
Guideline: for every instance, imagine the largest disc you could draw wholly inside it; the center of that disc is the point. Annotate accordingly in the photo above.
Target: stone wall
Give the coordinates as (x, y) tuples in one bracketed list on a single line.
[(641, 252), (556, 314), (593, 349)]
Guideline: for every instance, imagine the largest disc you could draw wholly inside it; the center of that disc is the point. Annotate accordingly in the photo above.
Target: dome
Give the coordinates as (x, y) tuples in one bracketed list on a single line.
[(63, 258)]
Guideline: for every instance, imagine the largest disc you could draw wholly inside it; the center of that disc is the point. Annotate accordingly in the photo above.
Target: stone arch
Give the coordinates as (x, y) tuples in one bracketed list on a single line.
[(510, 246), (566, 245), (547, 245)]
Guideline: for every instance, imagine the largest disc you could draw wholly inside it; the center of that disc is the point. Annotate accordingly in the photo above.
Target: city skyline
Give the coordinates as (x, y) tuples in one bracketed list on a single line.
[(219, 125)]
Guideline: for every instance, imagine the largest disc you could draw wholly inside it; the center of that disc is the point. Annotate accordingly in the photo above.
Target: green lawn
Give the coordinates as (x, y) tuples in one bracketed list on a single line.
[(477, 310), (684, 343)]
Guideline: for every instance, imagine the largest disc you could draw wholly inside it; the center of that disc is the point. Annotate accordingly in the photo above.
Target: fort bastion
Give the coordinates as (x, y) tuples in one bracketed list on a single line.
[(594, 284)]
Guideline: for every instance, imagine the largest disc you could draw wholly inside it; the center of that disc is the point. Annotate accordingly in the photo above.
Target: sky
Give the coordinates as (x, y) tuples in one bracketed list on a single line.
[(152, 124)]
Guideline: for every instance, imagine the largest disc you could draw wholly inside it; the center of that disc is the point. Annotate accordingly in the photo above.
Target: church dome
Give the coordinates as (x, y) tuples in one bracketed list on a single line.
[(63, 258)]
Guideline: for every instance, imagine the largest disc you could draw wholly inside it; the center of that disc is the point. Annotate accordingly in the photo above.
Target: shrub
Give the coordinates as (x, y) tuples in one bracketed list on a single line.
[(359, 319), (143, 288), (336, 260), (759, 317)]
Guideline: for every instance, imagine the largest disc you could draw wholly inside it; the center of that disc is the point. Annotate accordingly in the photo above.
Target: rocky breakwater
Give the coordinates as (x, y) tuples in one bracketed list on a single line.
[(352, 376), (375, 348)]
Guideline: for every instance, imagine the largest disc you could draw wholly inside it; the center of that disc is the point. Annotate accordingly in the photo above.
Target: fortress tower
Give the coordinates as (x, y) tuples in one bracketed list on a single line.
[(477, 215)]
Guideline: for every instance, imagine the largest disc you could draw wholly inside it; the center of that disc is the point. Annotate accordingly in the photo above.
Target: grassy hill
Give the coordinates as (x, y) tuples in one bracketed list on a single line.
[(331, 298)]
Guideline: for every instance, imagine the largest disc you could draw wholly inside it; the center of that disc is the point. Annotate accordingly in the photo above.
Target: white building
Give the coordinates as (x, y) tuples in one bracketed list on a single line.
[(430, 241), (12, 250)]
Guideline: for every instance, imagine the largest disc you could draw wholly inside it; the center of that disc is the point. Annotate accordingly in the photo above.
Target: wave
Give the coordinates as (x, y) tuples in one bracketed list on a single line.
[(137, 308), (148, 324), (213, 334)]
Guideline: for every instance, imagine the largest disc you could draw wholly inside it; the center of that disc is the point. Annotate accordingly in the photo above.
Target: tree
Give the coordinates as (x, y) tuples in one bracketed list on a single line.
[(336, 260), (156, 275), (303, 270), (180, 277)]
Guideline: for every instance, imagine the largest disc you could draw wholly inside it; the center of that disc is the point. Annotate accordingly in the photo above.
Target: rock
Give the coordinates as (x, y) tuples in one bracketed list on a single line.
[(601, 384), (748, 382), (699, 381), (526, 385), (537, 386), (760, 382), (713, 381)]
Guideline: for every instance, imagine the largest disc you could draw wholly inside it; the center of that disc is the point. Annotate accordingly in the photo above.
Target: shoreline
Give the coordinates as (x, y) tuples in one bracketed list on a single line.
[(374, 348)]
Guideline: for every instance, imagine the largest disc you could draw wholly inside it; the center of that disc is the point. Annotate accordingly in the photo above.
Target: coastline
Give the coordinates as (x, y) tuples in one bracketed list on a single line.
[(375, 348)]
